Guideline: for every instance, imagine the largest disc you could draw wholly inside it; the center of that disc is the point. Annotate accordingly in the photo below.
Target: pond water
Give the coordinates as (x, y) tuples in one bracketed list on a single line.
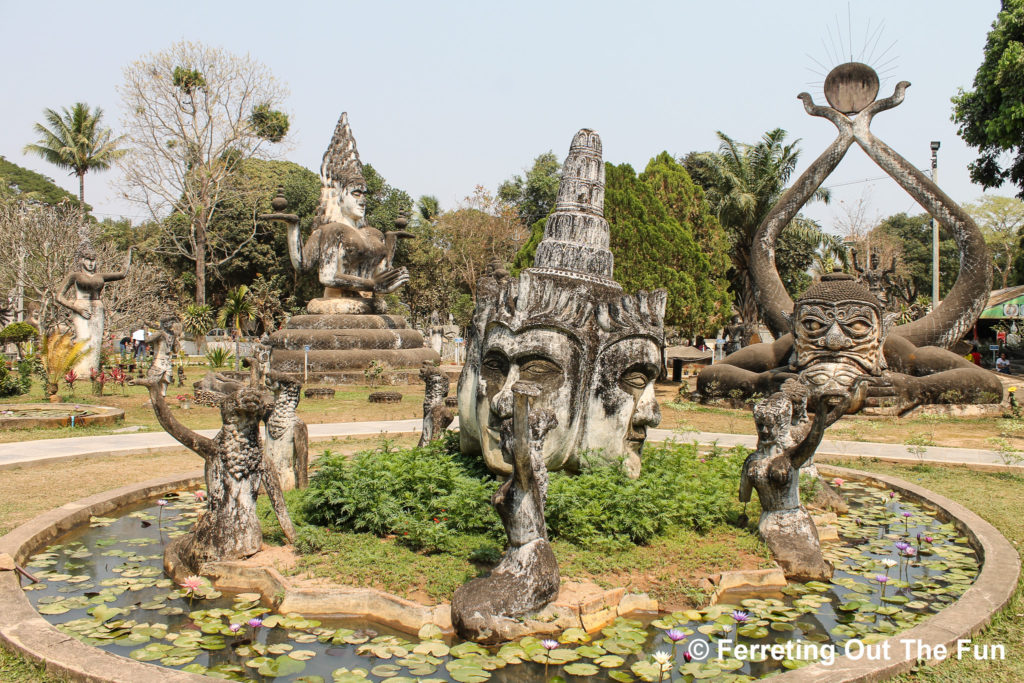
[(104, 584)]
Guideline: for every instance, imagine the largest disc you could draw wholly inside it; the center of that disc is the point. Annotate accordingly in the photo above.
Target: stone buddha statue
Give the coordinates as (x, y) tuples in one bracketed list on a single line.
[(567, 327), (347, 328), (352, 260)]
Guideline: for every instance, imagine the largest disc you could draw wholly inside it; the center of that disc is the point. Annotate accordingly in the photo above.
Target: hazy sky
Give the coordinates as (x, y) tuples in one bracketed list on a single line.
[(443, 96)]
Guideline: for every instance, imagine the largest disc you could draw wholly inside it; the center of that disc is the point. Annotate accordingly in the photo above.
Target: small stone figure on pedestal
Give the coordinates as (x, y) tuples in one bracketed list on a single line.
[(527, 578), (773, 470), (235, 469), (164, 343), (87, 305), (436, 414)]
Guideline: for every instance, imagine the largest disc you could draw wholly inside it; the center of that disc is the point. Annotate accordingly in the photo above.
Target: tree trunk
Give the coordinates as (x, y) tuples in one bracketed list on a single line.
[(82, 235), (200, 254)]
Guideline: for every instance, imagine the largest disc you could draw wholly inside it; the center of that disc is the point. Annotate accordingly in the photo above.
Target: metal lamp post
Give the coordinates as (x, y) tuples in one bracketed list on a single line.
[(935, 230)]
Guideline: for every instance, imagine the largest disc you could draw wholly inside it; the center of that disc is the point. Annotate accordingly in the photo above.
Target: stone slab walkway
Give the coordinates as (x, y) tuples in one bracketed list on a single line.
[(21, 453)]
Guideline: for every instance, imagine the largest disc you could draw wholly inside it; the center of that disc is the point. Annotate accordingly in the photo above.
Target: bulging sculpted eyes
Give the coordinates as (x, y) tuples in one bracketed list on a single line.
[(538, 368), (859, 326), (813, 325)]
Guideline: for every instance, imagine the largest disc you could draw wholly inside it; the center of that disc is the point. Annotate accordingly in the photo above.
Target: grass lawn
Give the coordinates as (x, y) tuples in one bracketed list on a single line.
[(348, 405)]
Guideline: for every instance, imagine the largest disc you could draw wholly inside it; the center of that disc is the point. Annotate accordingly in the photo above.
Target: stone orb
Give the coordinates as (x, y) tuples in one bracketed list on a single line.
[(850, 87)]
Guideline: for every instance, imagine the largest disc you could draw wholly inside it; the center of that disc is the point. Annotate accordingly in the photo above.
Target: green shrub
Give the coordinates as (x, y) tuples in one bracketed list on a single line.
[(423, 495), (430, 498), (11, 385)]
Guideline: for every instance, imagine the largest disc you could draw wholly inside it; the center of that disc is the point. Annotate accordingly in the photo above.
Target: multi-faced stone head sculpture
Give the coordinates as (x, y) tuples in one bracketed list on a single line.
[(839, 328), (343, 187), (567, 327)]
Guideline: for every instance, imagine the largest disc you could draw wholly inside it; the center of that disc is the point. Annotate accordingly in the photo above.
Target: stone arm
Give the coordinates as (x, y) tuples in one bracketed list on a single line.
[(72, 303), (965, 301), (203, 446), (391, 241), (272, 485), (746, 485), (770, 293), (759, 368), (856, 266), (929, 374), (808, 435), (121, 274)]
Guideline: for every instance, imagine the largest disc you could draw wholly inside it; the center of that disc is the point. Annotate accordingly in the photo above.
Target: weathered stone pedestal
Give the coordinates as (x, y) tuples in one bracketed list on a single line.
[(343, 345)]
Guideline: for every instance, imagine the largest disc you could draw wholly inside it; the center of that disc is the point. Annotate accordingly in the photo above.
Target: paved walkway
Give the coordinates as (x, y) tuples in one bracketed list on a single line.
[(47, 450)]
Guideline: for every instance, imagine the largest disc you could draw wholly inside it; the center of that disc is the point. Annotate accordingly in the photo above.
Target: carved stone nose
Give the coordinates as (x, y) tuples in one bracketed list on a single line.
[(836, 340)]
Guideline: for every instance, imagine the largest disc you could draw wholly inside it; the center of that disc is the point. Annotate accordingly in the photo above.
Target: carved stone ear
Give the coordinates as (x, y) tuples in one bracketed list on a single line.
[(788, 317), (888, 321)]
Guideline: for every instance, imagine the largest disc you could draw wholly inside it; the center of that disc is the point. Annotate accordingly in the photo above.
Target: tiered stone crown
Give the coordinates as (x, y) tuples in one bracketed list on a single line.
[(575, 243)]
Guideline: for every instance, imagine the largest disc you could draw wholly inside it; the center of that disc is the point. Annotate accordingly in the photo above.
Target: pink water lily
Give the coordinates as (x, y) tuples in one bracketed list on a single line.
[(192, 583)]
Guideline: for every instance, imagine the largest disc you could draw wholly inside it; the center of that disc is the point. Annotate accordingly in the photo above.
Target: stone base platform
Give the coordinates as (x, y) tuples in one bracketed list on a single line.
[(342, 345), (578, 605)]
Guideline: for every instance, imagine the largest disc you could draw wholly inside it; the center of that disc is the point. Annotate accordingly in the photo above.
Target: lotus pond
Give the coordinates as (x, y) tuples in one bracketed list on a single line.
[(104, 584)]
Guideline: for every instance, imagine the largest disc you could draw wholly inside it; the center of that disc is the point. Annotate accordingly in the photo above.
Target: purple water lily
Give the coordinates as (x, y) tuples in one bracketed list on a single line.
[(741, 616), (675, 635)]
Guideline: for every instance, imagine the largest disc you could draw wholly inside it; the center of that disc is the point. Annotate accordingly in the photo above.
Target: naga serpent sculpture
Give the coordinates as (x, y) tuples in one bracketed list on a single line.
[(914, 366)]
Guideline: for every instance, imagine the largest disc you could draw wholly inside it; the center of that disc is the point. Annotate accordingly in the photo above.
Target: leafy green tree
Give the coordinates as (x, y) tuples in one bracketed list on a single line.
[(655, 246), (432, 284), (1000, 220), (990, 116), (912, 235), (384, 203), (743, 182), (534, 195), (75, 140), (23, 183), (194, 115), (237, 310), (663, 234)]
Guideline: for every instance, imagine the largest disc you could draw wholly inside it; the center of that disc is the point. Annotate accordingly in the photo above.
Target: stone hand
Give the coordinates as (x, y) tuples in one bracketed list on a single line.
[(390, 280), (83, 311), (400, 234)]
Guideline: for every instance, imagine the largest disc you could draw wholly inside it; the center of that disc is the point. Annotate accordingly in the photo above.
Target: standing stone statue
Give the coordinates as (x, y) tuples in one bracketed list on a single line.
[(287, 444), (566, 325), (87, 305), (526, 579), (436, 414), (877, 279), (346, 328), (735, 331), (774, 471), (164, 343), (235, 469)]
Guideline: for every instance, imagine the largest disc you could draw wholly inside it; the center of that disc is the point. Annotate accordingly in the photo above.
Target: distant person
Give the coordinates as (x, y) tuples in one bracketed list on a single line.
[(975, 356), (1003, 364)]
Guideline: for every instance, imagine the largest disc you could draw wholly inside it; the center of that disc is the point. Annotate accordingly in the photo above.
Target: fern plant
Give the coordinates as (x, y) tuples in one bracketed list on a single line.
[(59, 354)]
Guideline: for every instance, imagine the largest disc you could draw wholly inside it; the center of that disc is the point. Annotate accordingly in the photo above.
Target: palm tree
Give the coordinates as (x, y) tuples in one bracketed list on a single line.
[(237, 309), (198, 320), (743, 182), (73, 140)]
